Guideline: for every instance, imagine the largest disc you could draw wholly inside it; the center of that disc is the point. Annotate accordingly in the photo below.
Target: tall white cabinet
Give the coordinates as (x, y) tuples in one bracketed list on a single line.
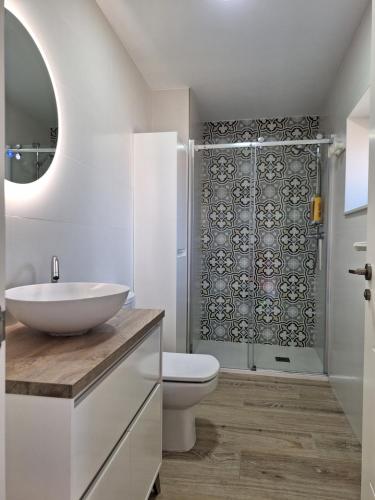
[(160, 231)]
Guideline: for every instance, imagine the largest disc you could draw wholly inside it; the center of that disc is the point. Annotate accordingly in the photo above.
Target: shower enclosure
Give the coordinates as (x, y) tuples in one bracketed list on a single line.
[(258, 247)]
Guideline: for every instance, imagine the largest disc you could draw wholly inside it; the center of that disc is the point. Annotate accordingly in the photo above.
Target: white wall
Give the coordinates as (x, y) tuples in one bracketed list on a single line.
[(2, 262), (81, 210), (346, 308), (357, 163), (176, 110), (195, 122), (170, 112)]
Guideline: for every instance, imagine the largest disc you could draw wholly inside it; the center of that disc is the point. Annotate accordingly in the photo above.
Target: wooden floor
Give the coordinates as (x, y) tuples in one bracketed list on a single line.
[(262, 438)]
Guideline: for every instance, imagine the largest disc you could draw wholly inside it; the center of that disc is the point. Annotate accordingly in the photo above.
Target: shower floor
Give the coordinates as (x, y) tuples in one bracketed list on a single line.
[(234, 355)]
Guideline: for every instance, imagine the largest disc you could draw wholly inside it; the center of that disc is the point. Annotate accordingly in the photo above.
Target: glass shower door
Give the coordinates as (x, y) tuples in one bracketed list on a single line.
[(227, 236), (289, 266), (259, 261)]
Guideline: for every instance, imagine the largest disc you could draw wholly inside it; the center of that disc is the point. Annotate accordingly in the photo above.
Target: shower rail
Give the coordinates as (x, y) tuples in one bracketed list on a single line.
[(261, 144), (32, 150)]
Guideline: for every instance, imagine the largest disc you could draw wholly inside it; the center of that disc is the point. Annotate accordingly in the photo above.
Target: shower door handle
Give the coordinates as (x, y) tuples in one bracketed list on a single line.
[(366, 272)]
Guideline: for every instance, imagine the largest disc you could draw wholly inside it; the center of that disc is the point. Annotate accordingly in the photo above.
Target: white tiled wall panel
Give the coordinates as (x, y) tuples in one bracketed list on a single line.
[(82, 208)]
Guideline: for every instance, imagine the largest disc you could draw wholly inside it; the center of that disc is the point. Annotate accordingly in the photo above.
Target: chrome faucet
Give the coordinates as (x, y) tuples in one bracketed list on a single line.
[(55, 270)]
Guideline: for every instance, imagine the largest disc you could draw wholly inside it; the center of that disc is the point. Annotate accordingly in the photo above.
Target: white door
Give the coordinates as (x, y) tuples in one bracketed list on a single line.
[(368, 436), (2, 259)]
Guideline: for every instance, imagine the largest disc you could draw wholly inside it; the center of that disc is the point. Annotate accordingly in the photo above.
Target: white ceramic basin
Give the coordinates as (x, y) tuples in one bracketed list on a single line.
[(65, 308)]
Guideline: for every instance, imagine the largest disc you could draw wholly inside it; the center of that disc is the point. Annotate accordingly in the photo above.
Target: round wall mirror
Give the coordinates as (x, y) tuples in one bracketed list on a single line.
[(31, 123)]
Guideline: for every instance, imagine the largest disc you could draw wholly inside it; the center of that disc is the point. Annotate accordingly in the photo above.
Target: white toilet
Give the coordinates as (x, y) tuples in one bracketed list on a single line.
[(187, 379)]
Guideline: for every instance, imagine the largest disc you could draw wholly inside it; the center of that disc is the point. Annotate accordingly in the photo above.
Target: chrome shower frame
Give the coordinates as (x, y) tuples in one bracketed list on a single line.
[(193, 147), (260, 144)]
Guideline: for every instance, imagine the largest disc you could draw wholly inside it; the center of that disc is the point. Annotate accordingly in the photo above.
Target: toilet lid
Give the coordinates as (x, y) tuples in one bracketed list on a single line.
[(179, 367)]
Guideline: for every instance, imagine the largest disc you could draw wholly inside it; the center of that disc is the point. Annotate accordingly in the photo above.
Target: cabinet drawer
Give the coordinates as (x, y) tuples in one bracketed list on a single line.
[(100, 419), (131, 470), (146, 446), (114, 482)]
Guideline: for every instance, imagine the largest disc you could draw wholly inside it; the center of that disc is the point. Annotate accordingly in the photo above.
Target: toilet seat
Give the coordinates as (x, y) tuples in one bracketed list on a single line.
[(192, 368)]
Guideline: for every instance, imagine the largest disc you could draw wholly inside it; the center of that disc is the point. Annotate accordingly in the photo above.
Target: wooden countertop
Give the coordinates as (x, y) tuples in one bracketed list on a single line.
[(41, 365)]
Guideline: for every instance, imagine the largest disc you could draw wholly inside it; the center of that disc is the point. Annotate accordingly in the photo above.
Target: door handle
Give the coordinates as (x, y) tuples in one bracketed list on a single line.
[(366, 272)]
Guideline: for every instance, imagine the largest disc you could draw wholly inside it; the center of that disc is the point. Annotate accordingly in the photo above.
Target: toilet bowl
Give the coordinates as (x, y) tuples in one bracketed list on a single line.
[(187, 379)]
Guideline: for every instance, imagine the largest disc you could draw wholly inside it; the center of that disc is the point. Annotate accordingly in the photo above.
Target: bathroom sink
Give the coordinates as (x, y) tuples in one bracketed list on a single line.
[(65, 308)]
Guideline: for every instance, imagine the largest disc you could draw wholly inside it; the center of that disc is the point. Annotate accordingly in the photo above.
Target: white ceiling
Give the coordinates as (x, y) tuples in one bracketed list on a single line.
[(242, 58)]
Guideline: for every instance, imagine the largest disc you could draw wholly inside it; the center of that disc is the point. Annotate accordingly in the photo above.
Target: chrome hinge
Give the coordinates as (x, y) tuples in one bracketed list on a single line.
[(2, 325)]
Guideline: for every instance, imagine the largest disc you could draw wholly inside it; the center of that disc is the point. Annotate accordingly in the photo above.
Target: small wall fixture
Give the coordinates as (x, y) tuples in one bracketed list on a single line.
[(337, 147), (360, 246)]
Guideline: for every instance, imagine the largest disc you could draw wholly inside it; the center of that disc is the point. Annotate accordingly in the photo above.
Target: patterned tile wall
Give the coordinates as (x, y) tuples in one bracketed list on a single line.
[(258, 264)]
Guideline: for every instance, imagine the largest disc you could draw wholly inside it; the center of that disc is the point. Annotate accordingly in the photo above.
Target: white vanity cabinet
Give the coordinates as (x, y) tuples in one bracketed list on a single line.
[(135, 459), (104, 444)]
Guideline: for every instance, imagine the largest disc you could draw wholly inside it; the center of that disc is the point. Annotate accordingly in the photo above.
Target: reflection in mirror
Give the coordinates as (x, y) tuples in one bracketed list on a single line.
[(31, 125)]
